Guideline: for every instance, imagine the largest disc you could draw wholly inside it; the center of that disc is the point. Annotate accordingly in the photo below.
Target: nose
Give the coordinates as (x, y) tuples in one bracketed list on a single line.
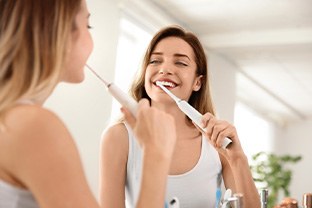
[(165, 70)]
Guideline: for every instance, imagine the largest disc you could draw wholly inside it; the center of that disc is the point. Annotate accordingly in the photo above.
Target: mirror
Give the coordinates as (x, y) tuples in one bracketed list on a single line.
[(260, 60)]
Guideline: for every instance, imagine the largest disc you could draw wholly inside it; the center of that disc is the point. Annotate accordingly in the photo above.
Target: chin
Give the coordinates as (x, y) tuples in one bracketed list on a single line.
[(78, 79), (74, 79)]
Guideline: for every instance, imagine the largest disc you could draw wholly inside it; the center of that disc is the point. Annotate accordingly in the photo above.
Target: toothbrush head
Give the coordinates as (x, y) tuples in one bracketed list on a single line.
[(158, 83)]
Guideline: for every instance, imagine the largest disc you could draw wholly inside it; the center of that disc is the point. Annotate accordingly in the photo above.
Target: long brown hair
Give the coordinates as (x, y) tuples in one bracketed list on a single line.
[(201, 100), (34, 36)]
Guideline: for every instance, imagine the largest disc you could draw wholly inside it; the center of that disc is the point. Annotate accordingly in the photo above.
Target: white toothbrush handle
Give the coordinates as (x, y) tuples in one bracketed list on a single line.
[(123, 98), (196, 117)]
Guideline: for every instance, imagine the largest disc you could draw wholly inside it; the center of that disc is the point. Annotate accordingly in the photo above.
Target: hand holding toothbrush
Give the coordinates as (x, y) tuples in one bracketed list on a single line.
[(153, 128), (156, 133), (217, 130), (193, 114)]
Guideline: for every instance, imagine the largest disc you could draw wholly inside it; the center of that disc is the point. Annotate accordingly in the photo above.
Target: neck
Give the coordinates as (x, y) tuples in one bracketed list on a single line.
[(185, 129)]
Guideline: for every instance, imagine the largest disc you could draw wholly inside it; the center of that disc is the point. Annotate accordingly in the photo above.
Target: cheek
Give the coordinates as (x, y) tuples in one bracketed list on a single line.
[(147, 81), (84, 46), (148, 78), (147, 75), (150, 73), (77, 58), (89, 43)]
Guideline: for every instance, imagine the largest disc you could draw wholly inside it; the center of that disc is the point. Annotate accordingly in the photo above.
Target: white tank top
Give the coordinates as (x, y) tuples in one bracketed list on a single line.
[(194, 189), (14, 197)]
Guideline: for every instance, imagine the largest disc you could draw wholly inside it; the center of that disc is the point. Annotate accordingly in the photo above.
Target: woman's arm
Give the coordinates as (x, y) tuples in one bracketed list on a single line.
[(42, 156), (236, 172), (113, 161), (156, 133), (243, 180)]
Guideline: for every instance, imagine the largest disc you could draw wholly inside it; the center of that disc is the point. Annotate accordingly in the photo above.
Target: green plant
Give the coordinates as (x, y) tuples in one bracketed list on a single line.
[(270, 171)]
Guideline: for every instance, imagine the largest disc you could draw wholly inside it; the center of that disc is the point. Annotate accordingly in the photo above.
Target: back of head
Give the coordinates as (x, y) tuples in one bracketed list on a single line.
[(34, 35)]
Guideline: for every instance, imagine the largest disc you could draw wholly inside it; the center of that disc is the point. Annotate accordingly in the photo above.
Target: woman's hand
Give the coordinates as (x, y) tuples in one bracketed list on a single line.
[(154, 129), (156, 133), (217, 130), (235, 167)]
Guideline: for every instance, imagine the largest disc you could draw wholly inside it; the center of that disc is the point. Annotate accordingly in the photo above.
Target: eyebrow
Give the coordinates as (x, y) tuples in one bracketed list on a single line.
[(176, 55)]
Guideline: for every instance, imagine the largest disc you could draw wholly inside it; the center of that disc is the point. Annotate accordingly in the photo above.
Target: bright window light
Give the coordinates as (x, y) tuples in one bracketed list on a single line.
[(255, 133), (132, 44)]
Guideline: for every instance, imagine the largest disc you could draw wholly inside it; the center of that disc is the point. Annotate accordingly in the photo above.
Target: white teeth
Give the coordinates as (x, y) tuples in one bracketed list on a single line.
[(165, 83)]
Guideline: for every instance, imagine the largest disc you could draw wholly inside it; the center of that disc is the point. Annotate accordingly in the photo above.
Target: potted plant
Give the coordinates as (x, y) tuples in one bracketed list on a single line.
[(270, 171)]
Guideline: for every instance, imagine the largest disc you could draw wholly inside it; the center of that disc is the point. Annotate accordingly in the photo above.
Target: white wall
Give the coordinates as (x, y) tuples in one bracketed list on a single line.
[(296, 139), (85, 108), (222, 79)]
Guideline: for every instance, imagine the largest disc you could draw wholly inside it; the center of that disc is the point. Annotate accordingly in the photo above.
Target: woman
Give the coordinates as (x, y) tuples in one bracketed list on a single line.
[(176, 59), (43, 42)]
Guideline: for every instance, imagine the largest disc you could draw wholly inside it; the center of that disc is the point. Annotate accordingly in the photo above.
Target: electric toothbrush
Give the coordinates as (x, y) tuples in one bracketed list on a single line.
[(123, 98), (191, 112)]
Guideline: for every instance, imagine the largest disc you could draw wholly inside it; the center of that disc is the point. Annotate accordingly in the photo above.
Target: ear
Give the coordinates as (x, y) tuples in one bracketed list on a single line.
[(197, 83)]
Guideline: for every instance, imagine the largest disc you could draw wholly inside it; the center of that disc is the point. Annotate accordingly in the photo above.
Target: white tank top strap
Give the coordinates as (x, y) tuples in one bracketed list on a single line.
[(134, 168), (14, 197)]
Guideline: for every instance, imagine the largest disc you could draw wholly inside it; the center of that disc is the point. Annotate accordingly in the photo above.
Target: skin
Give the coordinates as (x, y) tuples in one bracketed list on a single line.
[(80, 48), (157, 136), (173, 61), (38, 153)]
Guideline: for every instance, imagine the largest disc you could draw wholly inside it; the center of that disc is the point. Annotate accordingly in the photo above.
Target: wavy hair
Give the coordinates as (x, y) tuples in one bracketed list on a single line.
[(34, 36)]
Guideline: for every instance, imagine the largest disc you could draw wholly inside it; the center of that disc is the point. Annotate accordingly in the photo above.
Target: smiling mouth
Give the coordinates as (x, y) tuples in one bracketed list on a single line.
[(167, 84)]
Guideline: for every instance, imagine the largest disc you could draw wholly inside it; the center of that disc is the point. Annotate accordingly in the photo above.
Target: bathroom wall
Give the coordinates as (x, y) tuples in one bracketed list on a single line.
[(85, 108), (296, 139)]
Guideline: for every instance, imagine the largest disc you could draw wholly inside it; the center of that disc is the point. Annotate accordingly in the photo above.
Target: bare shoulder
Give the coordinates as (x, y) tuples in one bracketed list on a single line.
[(22, 119), (117, 129), (115, 137), (39, 147), (116, 133), (31, 130)]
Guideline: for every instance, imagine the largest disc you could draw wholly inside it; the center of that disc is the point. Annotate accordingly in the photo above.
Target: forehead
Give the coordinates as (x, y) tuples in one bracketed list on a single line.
[(174, 45)]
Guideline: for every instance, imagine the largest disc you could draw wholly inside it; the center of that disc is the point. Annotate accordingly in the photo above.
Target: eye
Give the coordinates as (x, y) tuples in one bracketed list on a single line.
[(180, 63), (154, 61), (89, 26)]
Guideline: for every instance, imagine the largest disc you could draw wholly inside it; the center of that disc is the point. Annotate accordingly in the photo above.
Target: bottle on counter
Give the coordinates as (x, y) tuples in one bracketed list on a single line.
[(264, 193), (289, 202), (238, 203), (307, 200)]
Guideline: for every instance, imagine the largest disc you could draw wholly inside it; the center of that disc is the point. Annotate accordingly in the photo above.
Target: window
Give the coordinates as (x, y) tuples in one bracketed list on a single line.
[(132, 44), (255, 133)]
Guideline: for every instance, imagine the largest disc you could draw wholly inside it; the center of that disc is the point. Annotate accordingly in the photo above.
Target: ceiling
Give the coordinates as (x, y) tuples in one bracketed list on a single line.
[(270, 42)]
